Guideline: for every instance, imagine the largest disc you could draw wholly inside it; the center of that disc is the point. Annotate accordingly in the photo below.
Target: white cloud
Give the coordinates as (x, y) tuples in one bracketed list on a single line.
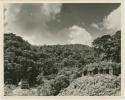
[(113, 20), (30, 21), (19, 15), (94, 25), (31, 24), (51, 10), (79, 35)]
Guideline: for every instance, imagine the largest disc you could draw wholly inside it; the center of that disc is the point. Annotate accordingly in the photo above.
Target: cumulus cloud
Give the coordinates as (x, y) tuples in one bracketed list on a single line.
[(79, 35), (113, 20), (51, 10), (30, 20), (94, 25), (31, 16)]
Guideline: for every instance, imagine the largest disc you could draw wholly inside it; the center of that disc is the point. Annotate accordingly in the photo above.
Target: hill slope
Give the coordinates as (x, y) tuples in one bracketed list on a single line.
[(22, 60), (99, 85), (54, 69)]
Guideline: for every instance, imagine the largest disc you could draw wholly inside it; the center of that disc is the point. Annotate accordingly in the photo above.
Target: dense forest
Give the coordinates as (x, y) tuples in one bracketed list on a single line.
[(54, 67)]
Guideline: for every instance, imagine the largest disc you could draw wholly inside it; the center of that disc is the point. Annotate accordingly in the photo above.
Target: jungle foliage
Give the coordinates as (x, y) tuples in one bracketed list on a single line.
[(60, 63)]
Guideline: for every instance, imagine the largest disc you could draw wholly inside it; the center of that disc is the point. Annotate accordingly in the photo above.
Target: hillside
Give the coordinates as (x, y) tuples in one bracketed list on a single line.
[(53, 69), (22, 58), (99, 85)]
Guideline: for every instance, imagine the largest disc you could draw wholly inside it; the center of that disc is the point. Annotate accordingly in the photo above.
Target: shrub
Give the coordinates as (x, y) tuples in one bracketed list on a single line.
[(71, 73), (59, 83), (99, 85), (46, 89)]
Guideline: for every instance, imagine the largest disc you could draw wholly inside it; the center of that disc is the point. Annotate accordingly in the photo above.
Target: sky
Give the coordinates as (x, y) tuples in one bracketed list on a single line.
[(57, 23)]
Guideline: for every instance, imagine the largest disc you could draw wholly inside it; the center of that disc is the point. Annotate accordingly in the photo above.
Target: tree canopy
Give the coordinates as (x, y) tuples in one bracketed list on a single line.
[(108, 47)]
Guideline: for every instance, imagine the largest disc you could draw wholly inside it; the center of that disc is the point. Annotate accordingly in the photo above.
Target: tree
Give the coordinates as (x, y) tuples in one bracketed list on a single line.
[(100, 42), (109, 47)]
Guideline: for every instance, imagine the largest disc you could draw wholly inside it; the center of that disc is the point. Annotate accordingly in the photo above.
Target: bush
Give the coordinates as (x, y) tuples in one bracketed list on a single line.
[(53, 86), (60, 83), (99, 85), (46, 89), (71, 73)]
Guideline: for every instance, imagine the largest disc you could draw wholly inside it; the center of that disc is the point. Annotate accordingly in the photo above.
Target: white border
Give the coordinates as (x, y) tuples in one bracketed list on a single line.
[(61, 97)]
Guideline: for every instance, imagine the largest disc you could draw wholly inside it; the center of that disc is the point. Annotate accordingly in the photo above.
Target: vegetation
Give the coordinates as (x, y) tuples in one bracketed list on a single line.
[(103, 68), (109, 47), (53, 68), (99, 85)]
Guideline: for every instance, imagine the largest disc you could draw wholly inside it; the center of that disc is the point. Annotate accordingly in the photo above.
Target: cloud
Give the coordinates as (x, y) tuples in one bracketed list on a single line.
[(31, 16), (94, 25), (113, 20), (30, 20), (79, 35), (51, 10)]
